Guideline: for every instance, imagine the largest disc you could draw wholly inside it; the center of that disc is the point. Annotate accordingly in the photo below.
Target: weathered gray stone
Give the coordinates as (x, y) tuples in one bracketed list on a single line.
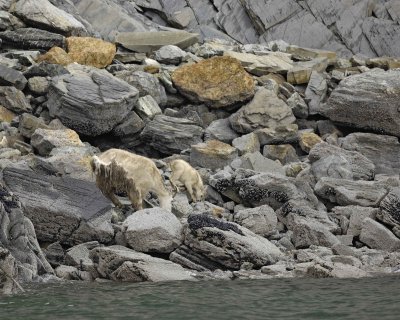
[(212, 154), (210, 237), (122, 264), (9, 21), (153, 230), (90, 101), (45, 140), (367, 101), (266, 110), (285, 153), (38, 85), (170, 54), (14, 100), (146, 83), (390, 213), (278, 135), (43, 14), (257, 162), (261, 220), (147, 107), (360, 166), (47, 198), (31, 38), (11, 77), (316, 92), (220, 130), (348, 192), (298, 106), (151, 41), (382, 150), (192, 260), (171, 135), (377, 236), (246, 143), (301, 71), (78, 256)]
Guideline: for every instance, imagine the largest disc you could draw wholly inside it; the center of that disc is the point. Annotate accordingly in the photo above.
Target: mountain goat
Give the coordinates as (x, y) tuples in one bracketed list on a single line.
[(184, 173), (119, 170)]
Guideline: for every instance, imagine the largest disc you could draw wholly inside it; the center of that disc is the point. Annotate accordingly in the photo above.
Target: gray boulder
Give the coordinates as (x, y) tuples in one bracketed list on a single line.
[(61, 209), (377, 236), (246, 143), (316, 92), (153, 230), (278, 135), (90, 101), (323, 156), (11, 77), (261, 220), (14, 100), (358, 102), (382, 150), (43, 14), (220, 130), (122, 264), (389, 208), (171, 135), (263, 111), (170, 54), (228, 243), (257, 162)]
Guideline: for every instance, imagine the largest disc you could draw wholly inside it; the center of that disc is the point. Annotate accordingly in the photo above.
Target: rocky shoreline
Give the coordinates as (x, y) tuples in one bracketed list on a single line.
[(298, 149)]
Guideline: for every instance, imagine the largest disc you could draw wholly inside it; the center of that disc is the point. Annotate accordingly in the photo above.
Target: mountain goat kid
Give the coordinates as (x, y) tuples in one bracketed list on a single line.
[(184, 173), (119, 170)]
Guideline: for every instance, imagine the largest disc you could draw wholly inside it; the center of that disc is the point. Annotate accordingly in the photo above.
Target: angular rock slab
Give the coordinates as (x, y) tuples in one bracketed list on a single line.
[(31, 38), (228, 243), (218, 82), (212, 154), (43, 14), (367, 101), (90, 101), (151, 41), (265, 110), (59, 207), (122, 264), (382, 150), (171, 135), (377, 236), (153, 230), (390, 208)]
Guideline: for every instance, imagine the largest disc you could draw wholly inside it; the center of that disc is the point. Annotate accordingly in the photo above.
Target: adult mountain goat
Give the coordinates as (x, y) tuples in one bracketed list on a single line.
[(184, 173), (119, 170)]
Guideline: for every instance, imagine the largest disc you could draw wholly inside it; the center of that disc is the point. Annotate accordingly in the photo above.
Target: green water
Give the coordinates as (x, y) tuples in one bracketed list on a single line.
[(356, 299)]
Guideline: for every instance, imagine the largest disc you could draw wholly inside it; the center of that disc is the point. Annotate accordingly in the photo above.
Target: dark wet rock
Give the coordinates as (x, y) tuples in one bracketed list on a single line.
[(210, 237), (11, 77), (324, 158), (31, 38), (377, 236), (146, 83), (367, 101), (45, 69), (61, 209), (153, 230), (382, 150), (266, 110), (90, 101), (348, 192), (171, 135), (122, 264)]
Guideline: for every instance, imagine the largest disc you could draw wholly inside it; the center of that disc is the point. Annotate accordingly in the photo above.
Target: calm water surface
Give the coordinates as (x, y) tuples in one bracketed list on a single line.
[(356, 299)]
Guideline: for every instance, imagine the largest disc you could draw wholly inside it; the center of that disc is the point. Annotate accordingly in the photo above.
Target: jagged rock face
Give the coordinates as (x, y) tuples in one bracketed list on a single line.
[(61, 209), (31, 38), (227, 243), (171, 135), (367, 101), (218, 82), (21, 257), (90, 101)]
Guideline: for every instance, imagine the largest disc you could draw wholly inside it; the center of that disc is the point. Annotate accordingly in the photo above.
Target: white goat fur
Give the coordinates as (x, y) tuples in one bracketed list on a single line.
[(120, 170), (184, 173)]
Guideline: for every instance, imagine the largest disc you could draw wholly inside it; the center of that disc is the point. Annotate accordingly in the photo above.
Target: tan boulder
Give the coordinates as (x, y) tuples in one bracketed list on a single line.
[(91, 51), (308, 140), (218, 82), (212, 154), (56, 55), (6, 115)]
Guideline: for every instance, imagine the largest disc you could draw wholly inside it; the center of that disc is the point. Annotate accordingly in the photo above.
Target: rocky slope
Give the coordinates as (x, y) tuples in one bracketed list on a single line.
[(298, 147)]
